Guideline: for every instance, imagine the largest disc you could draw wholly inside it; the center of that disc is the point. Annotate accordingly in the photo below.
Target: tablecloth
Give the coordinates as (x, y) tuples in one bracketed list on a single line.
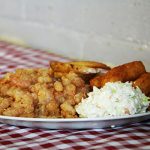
[(133, 136)]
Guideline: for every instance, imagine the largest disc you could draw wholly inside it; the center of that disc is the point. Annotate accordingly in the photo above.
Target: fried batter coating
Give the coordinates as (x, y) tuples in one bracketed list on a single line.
[(126, 72), (143, 82), (85, 69), (38, 93), (67, 110), (53, 92)]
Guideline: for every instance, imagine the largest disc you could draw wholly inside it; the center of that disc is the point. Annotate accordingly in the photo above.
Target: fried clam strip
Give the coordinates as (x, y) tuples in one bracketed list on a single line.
[(37, 93), (126, 72), (85, 69), (143, 82)]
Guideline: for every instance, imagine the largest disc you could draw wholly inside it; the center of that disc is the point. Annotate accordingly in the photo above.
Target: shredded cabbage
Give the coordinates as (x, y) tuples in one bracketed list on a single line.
[(114, 99)]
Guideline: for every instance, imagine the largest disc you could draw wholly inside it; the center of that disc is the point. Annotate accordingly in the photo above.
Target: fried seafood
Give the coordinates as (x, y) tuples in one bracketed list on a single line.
[(143, 82), (126, 72), (55, 91), (85, 69), (60, 67), (38, 93)]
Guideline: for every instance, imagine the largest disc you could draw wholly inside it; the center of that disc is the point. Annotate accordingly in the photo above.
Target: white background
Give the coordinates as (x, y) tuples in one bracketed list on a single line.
[(115, 31)]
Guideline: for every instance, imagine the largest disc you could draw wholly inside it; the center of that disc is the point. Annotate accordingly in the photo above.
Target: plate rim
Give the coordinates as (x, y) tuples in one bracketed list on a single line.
[(73, 119)]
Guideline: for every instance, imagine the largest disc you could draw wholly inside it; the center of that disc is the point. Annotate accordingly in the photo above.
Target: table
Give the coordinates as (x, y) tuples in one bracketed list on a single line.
[(134, 136)]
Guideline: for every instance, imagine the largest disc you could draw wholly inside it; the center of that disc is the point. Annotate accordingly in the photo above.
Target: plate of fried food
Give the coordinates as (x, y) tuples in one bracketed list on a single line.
[(76, 95)]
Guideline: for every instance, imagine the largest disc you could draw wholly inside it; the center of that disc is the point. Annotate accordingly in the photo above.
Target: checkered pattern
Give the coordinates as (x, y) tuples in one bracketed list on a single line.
[(12, 57), (135, 136)]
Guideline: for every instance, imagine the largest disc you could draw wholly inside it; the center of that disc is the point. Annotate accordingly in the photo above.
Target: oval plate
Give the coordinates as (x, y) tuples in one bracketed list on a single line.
[(74, 123)]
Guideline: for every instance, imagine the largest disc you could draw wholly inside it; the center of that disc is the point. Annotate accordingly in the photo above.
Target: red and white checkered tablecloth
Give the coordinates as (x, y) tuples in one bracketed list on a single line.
[(135, 136)]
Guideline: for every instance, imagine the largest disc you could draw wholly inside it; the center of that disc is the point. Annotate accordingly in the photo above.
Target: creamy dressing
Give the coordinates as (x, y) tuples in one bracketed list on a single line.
[(114, 99)]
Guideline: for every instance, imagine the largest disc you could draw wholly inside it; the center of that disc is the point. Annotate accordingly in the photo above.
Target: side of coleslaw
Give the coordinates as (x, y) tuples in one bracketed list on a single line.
[(114, 99)]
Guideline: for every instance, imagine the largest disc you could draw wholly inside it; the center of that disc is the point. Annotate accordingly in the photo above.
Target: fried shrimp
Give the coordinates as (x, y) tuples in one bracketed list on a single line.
[(143, 82), (126, 72)]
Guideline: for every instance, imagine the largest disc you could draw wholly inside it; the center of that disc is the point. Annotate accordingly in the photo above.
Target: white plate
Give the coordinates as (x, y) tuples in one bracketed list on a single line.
[(77, 123)]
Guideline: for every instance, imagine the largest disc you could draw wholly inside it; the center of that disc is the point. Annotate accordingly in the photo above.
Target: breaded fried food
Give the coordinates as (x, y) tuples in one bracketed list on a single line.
[(143, 82), (83, 67), (87, 67), (60, 67), (38, 93), (126, 72)]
